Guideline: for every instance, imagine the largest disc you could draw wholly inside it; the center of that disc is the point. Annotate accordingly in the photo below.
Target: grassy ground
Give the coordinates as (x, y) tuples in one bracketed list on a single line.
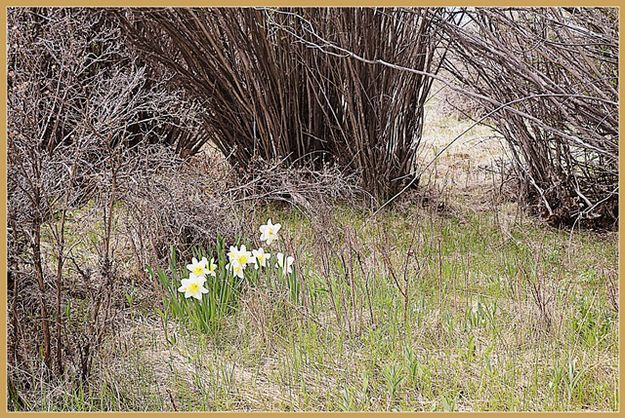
[(465, 304), (516, 321)]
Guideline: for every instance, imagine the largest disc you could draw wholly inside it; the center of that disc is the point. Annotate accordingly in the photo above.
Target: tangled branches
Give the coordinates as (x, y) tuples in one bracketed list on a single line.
[(559, 66), (271, 93), (80, 109)]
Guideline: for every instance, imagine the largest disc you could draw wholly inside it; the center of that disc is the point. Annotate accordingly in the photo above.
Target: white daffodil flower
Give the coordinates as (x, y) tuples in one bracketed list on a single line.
[(211, 268), (241, 256), (193, 287), (232, 254), (198, 268), (235, 268), (285, 263), (269, 232), (261, 257)]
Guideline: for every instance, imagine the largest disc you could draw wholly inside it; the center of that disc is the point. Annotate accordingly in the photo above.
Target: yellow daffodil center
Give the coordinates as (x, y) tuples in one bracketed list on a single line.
[(193, 288), (242, 259), (198, 270)]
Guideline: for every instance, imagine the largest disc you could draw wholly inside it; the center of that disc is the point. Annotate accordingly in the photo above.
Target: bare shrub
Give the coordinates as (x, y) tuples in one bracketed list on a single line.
[(270, 93), (180, 203), (308, 188), (556, 69), (79, 110)]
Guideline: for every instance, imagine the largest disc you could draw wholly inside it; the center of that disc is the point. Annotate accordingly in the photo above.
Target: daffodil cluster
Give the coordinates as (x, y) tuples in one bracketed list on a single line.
[(239, 259), (194, 285)]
